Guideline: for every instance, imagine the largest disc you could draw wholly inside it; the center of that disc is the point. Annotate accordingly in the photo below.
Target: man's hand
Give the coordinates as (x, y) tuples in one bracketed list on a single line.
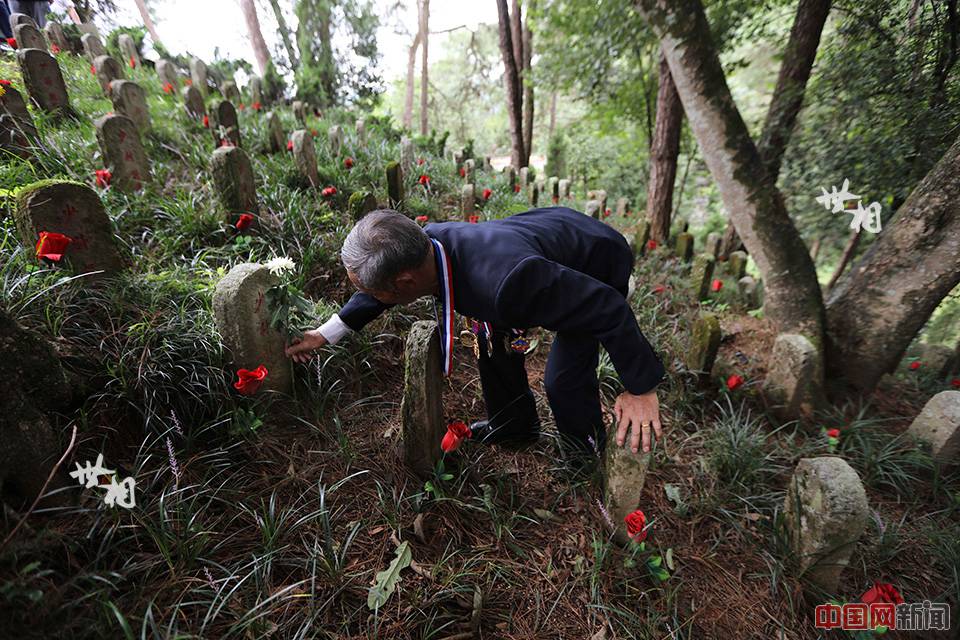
[(641, 411), (302, 350)]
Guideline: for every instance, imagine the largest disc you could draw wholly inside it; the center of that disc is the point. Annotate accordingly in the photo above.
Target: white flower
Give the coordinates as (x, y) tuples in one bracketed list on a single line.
[(278, 265)]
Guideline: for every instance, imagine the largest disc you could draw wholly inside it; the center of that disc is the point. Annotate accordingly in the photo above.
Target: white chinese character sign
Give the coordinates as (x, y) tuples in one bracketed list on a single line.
[(118, 493), (863, 218)]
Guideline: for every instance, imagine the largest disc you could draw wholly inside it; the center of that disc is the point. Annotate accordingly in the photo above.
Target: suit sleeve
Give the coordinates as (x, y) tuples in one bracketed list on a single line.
[(540, 292), (362, 309)]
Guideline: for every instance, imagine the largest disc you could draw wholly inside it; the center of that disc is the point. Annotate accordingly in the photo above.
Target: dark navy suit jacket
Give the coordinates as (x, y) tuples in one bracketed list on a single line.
[(554, 268)]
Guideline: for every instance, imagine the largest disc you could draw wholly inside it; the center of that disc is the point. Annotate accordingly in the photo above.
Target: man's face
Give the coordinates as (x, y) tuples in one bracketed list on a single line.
[(405, 289)]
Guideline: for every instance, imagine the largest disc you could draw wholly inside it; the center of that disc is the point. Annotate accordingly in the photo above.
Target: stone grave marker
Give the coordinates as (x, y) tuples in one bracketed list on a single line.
[(685, 246), (511, 175), (714, 242), (938, 424), (44, 82), (55, 36), (624, 475), (88, 27), (794, 376), (592, 208), (701, 274), (75, 210), (524, 176), (17, 19), (305, 156), (108, 70), (234, 180), (534, 194), (92, 47), (198, 76), (168, 73), (749, 292), (361, 203), (230, 92), (564, 186), (469, 169), (226, 125), (29, 37), (623, 204), (598, 194), (468, 200), (421, 409), (826, 512), (242, 316), (300, 112), (122, 152), (938, 358), (256, 90), (276, 138), (458, 159), (17, 131), (737, 264), (395, 184), (129, 49), (553, 186), (335, 136), (406, 153), (641, 236), (193, 102), (704, 344), (130, 99), (361, 131)]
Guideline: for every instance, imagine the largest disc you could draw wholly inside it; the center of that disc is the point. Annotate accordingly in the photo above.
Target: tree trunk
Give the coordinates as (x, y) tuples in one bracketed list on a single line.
[(664, 150), (845, 258), (885, 299), (285, 34), (526, 78), (148, 21), (411, 69), (553, 116), (260, 51), (424, 69), (798, 57), (793, 300), (511, 82)]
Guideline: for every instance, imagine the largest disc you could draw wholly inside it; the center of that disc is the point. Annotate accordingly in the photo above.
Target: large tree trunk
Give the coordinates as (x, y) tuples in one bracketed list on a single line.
[(511, 82), (424, 73), (148, 21), (411, 70), (793, 300), (664, 149), (798, 57), (526, 78), (885, 299), (285, 34), (260, 51), (553, 116)]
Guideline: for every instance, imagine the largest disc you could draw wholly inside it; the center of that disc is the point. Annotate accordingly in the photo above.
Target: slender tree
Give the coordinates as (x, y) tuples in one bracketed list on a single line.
[(526, 79), (511, 80), (424, 67), (147, 20), (664, 150), (260, 51), (411, 69), (285, 34)]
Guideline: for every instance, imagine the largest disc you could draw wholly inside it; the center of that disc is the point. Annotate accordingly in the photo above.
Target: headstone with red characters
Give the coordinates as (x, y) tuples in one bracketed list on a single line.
[(122, 152), (107, 70), (17, 131), (28, 36), (129, 49), (20, 18), (234, 181), (168, 73), (44, 81), (92, 47), (227, 125), (130, 99), (55, 36), (193, 102)]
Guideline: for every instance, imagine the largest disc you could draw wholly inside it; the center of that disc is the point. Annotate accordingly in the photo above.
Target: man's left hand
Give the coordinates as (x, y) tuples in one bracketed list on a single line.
[(641, 411)]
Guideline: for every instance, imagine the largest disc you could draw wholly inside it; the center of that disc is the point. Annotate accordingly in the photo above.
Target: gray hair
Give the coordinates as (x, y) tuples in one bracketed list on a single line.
[(382, 245)]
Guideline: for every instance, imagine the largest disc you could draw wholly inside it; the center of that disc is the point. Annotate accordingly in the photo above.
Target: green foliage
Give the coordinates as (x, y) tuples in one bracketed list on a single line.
[(557, 156)]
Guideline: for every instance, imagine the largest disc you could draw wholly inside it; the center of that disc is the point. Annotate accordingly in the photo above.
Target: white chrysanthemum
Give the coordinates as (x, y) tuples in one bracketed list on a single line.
[(279, 265)]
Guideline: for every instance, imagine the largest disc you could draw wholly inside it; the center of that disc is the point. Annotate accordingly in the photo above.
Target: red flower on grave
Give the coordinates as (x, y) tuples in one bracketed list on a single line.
[(241, 106), (54, 49), (206, 121), (225, 142), (167, 87), (955, 383), (734, 382), (12, 42), (256, 106), (249, 382), (636, 526), (659, 288), (187, 81), (51, 245), (833, 433), (716, 285), (882, 592), (424, 180), (103, 177), (420, 161), (463, 172), (5, 83), (651, 245), (474, 219), (244, 221), (556, 199), (915, 365), (329, 191), (606, 214), (348, 162), (313, 132), (93, 70), (487, 193), (133, 63), (289, 145), (516, 188), (457, 432), (421, 218)]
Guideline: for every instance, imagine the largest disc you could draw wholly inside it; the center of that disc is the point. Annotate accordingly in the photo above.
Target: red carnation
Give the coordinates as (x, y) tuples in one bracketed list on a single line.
[(421, 218), (289, 145), (329, 191), (241, 106), (248, 382), (457, 432), (206, 122), (734, 382), (12, 42), (914, 365), (516, 188), (606, 214), (348, 162), (5, 83), (487, 193), (420, 161), (659, 288), (103, 177), (463, 172), (93, 70), (244, 221), (474, 219), (716, 285), (256, 106), (133, 63), (51, 245), (651, 245), (313, 132), (882, 592), (636, 526), (955, 383), (424, 180), (54, 49), (833, 433), (167, 87)]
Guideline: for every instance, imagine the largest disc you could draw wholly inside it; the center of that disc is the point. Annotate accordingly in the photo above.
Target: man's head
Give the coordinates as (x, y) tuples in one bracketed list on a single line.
[(388, 256)]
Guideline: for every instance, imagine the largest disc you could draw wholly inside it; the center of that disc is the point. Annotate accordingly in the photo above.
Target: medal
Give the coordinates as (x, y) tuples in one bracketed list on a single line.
[(520, 345)]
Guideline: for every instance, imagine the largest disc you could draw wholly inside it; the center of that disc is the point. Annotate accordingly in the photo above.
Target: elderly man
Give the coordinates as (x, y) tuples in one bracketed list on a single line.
[(553, 268)]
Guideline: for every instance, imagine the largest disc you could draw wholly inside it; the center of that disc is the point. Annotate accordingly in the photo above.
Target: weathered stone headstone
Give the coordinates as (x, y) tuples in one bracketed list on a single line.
[(600, 195), (794, 376), (592, 208), (20, 18), (395, 184), (511, 175), (243, 319), (129, 49), (553, 188), (534, 194), (335, 136), (88, 27), (361, 129), (193, 102), (300, 112), (938, 424), (198, 76), (55, 36), (74, 210), (227, 126), (108, 70), (826, 512), (641, 236), (44, 82), (421, 409), (276, 138), (17, 131), (130, 99), (624, 475), (524, 176), (122, 152), (938, 358), (92, 47), (748, 290), (305, 156), (361, 203), (685, 246), (713, 244), (458, 159), (469, 168), (737, 264), (704, 344), (29, 37), (701, 274), (564, 186), (406, 153), (230, 92), (256, 90), (468, 200), (234, 180), (622, 205), (168, 73)]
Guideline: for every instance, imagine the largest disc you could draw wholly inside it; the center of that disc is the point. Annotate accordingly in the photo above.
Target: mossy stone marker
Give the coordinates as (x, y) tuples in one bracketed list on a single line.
[(737, 264), (685, 246), (361, 203), (421, 409), (624, 475), (939, 426), (305, 156), (234, 181), (793, 384), (704, 344), (468, 200), (701, 274), (276, 138), (395, 184)]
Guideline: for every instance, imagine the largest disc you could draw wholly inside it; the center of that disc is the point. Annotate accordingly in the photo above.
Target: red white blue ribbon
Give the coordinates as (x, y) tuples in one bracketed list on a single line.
[(445, 272)]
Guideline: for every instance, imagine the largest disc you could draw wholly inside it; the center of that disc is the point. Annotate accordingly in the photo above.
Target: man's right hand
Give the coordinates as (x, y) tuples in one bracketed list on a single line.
[(303, 350)]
